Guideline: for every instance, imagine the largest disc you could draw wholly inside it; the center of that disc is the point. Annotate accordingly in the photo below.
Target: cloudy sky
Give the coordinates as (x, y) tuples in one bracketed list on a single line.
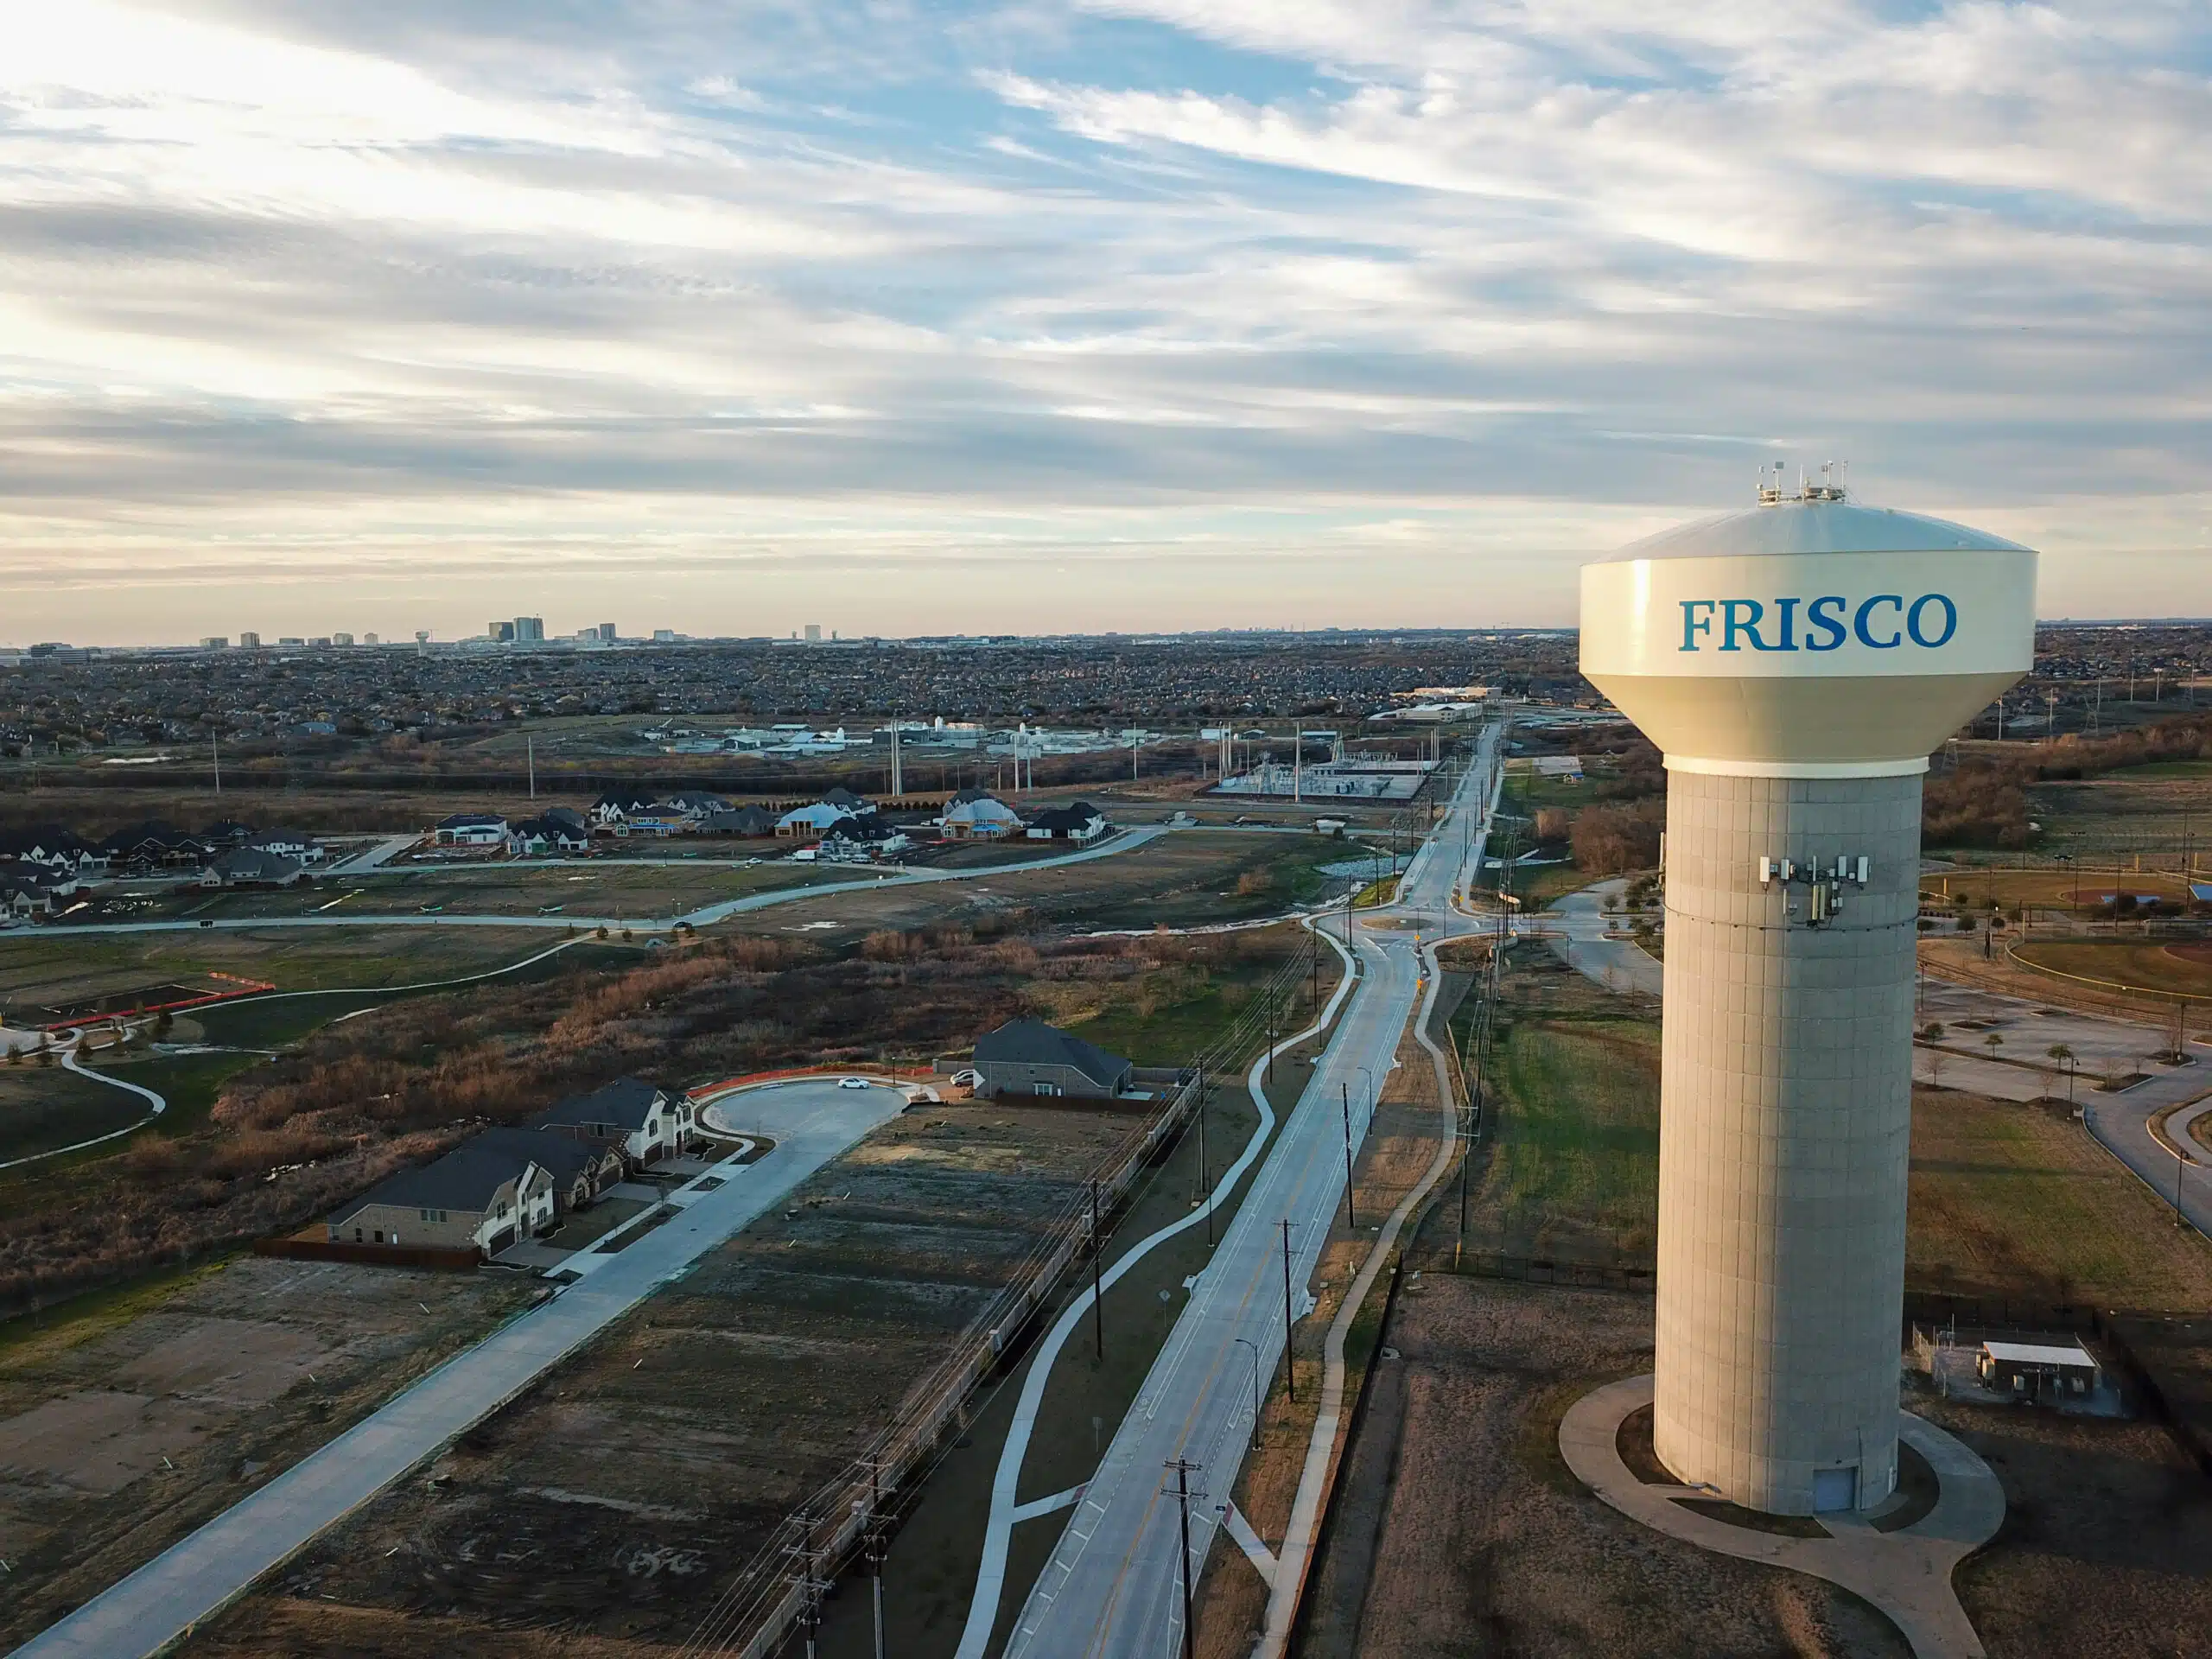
[(905, 315)]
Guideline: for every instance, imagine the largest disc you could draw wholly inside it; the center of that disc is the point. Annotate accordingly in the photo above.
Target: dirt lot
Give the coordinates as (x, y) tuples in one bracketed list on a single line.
[(1478, 1542), (122, 1429), (2106, 1548), (607, 1507)]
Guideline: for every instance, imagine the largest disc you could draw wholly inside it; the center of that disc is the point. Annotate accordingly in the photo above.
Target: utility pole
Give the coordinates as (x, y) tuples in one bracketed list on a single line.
[(1289, 1373), (215, 748), (875, 1553), (1351, 1218), (1097, 1291), (1183, 1470), (898, 779), (529, 758)]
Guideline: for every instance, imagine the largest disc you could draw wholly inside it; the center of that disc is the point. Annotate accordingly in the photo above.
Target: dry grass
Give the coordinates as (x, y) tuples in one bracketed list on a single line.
[(2019, 1200)]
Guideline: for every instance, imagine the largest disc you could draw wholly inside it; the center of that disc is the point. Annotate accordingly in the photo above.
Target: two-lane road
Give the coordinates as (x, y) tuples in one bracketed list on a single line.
[(1112, 1585)]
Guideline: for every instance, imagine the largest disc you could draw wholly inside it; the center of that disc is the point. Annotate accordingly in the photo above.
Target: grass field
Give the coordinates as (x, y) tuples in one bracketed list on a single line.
[(53, 966), (1174, 1011), (2122, 964), (583, 887), (2005, 1198), (1575, 1122), (2011, 1198), (43, 1106), (2083, 886)]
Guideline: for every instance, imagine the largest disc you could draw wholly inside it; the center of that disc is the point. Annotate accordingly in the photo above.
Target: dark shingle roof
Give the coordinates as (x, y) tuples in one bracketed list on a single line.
[(563, 1158), (465, 1178), (623, 1103), (1059, 819), (1032, 1042)]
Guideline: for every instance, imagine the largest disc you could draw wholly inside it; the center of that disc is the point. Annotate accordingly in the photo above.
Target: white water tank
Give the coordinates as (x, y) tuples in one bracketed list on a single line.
[(1796, 663)]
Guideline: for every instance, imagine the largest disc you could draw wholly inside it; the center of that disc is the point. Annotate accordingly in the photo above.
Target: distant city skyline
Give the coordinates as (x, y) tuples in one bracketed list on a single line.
[(1071, 315)]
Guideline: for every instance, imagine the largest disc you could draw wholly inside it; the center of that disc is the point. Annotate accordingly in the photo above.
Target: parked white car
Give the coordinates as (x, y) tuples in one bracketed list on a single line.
[(852, 1083)]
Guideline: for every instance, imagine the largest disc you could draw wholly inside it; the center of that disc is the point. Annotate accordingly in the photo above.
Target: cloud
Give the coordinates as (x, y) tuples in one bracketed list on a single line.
[(1413, 298)]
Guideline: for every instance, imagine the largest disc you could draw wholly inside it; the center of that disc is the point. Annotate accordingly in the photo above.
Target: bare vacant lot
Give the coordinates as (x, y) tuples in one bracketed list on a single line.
[(121, 1430), (611, 1503), (1482, 1543)]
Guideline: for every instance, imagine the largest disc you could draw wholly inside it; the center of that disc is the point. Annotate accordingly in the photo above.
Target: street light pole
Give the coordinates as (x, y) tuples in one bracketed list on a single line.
[(1289, 1370), (1351, 1218), (1254, 1347)]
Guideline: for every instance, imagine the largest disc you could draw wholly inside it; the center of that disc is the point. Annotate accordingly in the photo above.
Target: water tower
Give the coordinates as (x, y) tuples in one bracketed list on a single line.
[(1796, 663)]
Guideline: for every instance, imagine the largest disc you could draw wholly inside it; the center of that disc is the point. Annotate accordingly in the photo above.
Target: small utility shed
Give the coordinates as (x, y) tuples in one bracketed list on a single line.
[(2039, 1370), (474, 1195), (1027, 1057)]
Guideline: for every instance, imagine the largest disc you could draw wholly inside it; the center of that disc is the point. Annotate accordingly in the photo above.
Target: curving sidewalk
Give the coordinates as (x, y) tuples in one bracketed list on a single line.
[(1906, 1574), (160, 1104), (990, 1576), (1296, 1557)]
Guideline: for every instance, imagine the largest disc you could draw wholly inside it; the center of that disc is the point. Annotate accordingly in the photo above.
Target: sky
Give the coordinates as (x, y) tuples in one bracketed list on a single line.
[(908, 317)]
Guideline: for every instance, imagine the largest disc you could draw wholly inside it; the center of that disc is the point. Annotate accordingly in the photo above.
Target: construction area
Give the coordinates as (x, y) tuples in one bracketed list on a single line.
[(127, 1424), (611, 1505)]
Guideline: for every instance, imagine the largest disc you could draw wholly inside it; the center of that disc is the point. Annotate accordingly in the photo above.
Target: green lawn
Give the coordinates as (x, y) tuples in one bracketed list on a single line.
[(1574, 1152), (1171, 1013), (44, 1106)]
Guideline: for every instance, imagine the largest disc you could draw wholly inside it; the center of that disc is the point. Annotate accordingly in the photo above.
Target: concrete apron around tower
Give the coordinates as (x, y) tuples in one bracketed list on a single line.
[(1785, 1131)]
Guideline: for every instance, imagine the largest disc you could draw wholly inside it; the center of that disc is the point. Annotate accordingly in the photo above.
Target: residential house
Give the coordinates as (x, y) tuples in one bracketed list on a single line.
[(580, 1170), (645, 1120), (808, 822), (472, 830), (286, 843), (482, 1196), (978, 815), (251, 866), (861, 840), (614, 811), (34, 889), (1027, 1057), (156, 845), (1081, 822), (559, 829), (743, 821), (693, 804), (57, 849)]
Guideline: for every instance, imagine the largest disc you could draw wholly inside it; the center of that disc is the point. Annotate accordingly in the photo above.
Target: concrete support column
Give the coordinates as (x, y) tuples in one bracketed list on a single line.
[(1785, 1139)]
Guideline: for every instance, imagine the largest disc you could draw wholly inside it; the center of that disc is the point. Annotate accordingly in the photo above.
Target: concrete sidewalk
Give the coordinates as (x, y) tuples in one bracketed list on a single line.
[(1906, 1574)]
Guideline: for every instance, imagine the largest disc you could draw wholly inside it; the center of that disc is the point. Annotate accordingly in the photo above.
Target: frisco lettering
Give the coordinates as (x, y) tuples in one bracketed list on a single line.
[(1881, 623)]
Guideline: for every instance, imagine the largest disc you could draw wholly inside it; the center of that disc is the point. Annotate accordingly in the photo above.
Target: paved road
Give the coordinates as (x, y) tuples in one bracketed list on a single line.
[(1111, 1586), (811, 1122), (1577, 927), (1124, 841)]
